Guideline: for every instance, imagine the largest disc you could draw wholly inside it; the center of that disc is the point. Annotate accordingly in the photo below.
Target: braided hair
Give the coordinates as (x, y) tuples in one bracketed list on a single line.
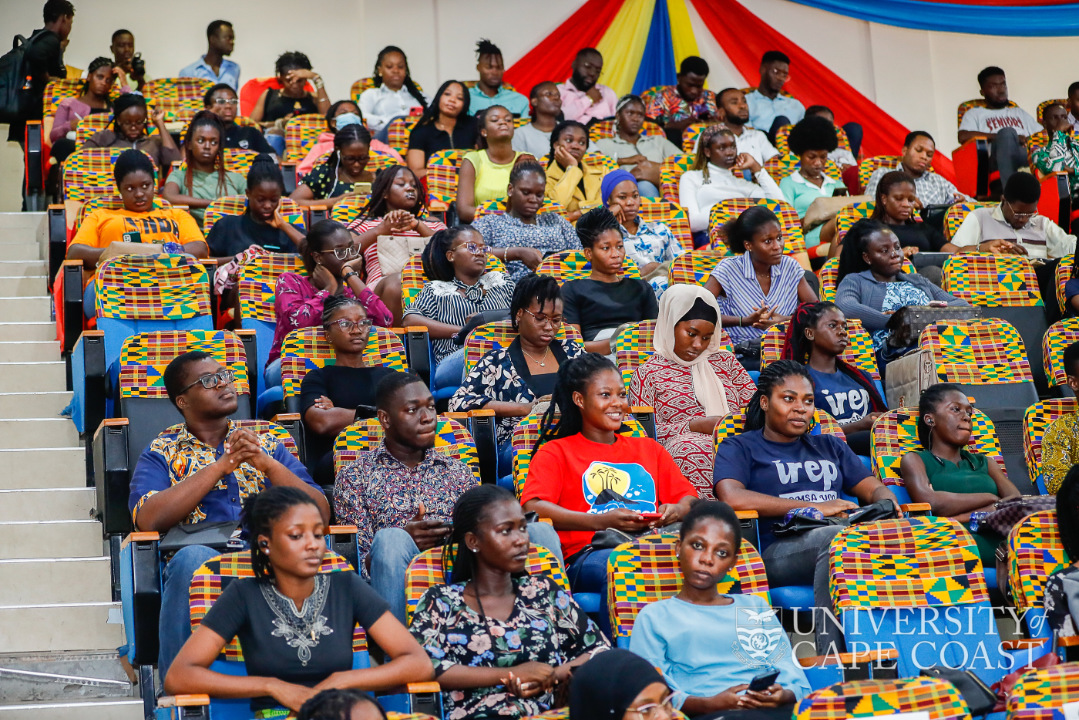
[(769, 379), (410, 84), (344, 137), (95, 65), (931, 399), (435, 264), (541, 288), (709, 134), (261, 511), (556, 135), (205, 119), (563, 417), (469, 511), (264, 169), (335, 303)]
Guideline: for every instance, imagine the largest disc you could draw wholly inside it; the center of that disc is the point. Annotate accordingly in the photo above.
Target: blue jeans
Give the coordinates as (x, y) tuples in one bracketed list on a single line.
[(647, 189), (272, 374), (89, 301), (854, 135), (174, 626), (277, 142), (450, 370), (383, 135), (588, 574), (505, 460)]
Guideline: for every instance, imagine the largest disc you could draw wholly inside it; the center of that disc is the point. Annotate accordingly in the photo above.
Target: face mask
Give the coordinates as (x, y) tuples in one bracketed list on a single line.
[(347, 119)]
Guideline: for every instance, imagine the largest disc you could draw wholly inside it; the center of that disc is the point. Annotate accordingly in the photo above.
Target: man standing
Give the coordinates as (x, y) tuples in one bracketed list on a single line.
[(736, 117), (583, 99), (676, 107), (123, 54), (215, 65), (489, 90)]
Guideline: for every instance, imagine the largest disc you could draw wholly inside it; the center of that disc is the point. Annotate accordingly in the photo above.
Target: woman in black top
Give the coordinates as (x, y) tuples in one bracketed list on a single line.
[(339, 173), (330, 395), (262, 223), (294, 624), (223, 102), (446, 125), (293, 71)]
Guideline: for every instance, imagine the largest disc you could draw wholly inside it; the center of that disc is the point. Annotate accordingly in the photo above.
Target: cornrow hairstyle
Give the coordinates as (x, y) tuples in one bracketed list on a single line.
[(331, 114), (175, 375), (541, 288), (710, 133), (95, 65), (712, 510), (318, 237), (888, 181), (770, 377), (335, 303), (1068, 512), (486, 47), (799, 348), (205, 119), (742, 229), (812, 132), (390, 385), (208, 96), (595, 222), (346, 136), (410, 85), (855, 243), (291, 60), (556, 135), (469, 511), (131, 161), (563, 417), (264, 170), (435, 264), (932, 398), (432, 112), (260, 512), (523, 168), (125, 102), (337, 705), (378, 202)]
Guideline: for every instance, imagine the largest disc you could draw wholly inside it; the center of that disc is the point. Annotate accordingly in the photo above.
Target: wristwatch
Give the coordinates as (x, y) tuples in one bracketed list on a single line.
[(351, 273)]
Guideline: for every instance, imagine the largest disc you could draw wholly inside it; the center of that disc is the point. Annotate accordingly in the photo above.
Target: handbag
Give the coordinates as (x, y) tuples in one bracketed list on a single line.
[(798, 524), (976, 694), (1007, 513), (907, 323), (395, 250), (1003, 687), (215, 535)]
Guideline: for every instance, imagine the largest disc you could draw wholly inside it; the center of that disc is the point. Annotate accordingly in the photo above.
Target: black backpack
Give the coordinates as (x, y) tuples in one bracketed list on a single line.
[(14, 82)]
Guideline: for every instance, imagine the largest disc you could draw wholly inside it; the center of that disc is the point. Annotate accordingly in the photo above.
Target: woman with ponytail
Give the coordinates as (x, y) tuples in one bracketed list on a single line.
[(504, 643), (100, 77), (294, 623), (817, 337), (340, 173)]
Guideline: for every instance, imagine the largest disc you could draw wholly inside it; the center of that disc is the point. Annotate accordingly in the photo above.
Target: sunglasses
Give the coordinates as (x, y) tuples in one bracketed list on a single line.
[(212, 380)]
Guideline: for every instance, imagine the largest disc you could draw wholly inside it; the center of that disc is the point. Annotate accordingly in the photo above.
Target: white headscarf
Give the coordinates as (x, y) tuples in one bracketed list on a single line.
[(673, 306)]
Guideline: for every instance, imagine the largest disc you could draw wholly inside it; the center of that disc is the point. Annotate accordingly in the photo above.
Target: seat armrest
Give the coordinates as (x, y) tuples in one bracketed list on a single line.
[(342, 540), (483, 425), (917, 509), (318, 212), (418, 349), (294, 425), (183, 700), (71, 285), (89, 377), (143, 561), (747, 514), (112, 475), (57, 226), (878, 664), (646, 416)]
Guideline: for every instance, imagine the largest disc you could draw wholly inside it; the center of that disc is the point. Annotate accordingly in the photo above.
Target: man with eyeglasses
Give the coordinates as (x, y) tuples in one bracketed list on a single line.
[(202, 473), (222, 101), (769, 108)]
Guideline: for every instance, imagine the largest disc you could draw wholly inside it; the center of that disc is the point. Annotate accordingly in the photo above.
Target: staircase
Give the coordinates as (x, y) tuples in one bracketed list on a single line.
[(59, 626)]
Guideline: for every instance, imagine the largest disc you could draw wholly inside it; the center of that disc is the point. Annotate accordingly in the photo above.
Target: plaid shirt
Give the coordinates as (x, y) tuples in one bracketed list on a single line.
[(931, 188), (668, 106), (379, 491)]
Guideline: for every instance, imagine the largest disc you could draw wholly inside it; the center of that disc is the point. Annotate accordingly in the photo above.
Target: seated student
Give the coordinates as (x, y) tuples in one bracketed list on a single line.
[(636, 153), (1063, 621), (202, 473), (872, 284), (619, 685), (580, 459), (458, 290), (895, 205), (690, 637), (676, 107), (484, 174), (732, 103), (1060, 444), (1061, 153), (713, 178), (341, 705), (126, 59), (490, 90), (690, 381), (504, 643), (811, 139), (605, 300), (816, 338), (397, 206), (1006, 127), (205, 178), (512, 380), (571, 182), (129, 131), (841, 156), (394, 94), (262, 223), (222, 101), (275, 108), (521, 235), (100, 76), (768, 469), (760, 286), (651, 245), (769, 108), (954, 481), (916, 160), (338, 174), (330, 395), (294, 623), (535, 137), (214, 65), (583, 98), (333, 262), (341, 114), (444, 125)]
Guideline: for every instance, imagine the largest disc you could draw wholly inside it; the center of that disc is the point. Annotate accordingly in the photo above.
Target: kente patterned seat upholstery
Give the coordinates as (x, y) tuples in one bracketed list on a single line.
[(1042, 694), (991, 280), (301, 134), (869, 698), (870, 165), (670, 172), (256, 283), (413, 279), (781, 166), (180, 98), (734, 422), (87, 173), (1035, 553), (851, 214), (605, 129), (1036, 420), (442, 176), (566, 265), (1056, 340), (957, 213), (499, 334), (672, 215), (237, 205), (783, 139), (399, 131), (348, 208), (633, 346), (1063, 275), (859, 351), (451, 438), (499, 206), (693, 268), (829, 277), (789, 222)]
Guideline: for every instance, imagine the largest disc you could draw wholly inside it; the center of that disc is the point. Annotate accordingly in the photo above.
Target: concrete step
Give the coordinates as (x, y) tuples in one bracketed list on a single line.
[(22, 286), (54, 580), (32, 377), (47, 504), (29, 351), (63, 677), (88, 710), (19, 251), (60, 627), (22, 224), (25, 309), (50, 539), (43, 468), (38, 433), (22, 268), (33, 405), (33, 331)]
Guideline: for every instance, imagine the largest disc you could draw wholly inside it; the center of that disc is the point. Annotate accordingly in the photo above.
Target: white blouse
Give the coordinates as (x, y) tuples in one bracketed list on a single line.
[(698, 196)]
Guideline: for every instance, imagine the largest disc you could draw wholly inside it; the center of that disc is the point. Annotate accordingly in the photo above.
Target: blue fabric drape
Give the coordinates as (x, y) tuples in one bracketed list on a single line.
[(657, 63)]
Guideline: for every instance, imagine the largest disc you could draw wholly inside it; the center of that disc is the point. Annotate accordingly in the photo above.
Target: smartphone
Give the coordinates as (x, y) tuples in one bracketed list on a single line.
[(840, 192), (651, 515), (763, 681), (937, 303)]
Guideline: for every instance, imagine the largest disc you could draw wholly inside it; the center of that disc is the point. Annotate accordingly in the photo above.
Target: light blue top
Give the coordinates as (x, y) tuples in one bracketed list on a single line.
[(513, 101), (801, 193), (230, 72), (703, 650), (763, 110)]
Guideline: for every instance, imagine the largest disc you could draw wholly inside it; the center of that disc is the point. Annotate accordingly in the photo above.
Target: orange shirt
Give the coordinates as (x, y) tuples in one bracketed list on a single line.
[(102, 227)]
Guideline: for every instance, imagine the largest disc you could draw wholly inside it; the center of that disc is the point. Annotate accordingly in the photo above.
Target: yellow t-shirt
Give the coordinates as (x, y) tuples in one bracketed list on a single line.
[(491, 179), (101, 228)]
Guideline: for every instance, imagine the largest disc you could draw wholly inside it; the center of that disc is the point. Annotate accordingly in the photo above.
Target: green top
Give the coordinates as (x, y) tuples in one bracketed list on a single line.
[(970, 475), (204, 187)]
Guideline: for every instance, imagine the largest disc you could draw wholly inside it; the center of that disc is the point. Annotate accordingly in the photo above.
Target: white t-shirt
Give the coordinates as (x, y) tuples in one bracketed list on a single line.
[(991, 121), (755, 143)]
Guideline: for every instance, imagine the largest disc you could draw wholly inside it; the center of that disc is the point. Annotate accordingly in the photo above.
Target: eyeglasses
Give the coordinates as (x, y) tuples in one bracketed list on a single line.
[(226, 101), (1019, 215), (348, 325), (213, 380), (344, 253), (653, 710), (473, 248), (555, 322)]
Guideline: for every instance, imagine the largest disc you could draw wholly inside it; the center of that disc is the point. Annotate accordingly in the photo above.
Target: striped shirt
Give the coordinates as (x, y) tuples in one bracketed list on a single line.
[(371, 264), (439, 300), (743, 294)]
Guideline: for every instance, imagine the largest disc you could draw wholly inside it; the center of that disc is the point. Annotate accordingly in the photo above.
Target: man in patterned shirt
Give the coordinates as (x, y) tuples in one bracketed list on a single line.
[(400, 495), (676, 107), (203, 472)]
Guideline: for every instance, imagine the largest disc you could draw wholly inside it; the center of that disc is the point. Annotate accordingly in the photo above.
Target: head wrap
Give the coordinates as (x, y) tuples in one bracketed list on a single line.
[(679, 302), (605, 686), (611, 180), (701, 310)]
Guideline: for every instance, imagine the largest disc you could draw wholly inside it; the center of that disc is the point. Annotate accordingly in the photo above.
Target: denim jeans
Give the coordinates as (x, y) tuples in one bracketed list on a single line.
[(647, 189), (174, 626), (89, 301), (272, 374), (450, 371), (277, 142)]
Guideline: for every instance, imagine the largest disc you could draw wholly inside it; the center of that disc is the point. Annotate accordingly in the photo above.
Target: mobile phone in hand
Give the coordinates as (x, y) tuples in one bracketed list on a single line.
[(763, 681), (651, 515)]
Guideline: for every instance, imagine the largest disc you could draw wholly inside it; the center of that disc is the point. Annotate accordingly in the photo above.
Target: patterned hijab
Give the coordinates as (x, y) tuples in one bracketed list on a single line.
[(692, 302)]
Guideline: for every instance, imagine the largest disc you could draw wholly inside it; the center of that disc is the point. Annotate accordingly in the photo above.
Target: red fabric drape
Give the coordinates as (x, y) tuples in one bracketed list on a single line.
[(552, 58), (745, 38)]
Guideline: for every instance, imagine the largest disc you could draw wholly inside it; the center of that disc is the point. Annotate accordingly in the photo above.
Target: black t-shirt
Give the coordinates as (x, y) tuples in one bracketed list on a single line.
[(44, 57), (346, 387), (430, 139), (598, 305), (274, 640), (245, 137), (921, 235), (278, 106), (233, 234)]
